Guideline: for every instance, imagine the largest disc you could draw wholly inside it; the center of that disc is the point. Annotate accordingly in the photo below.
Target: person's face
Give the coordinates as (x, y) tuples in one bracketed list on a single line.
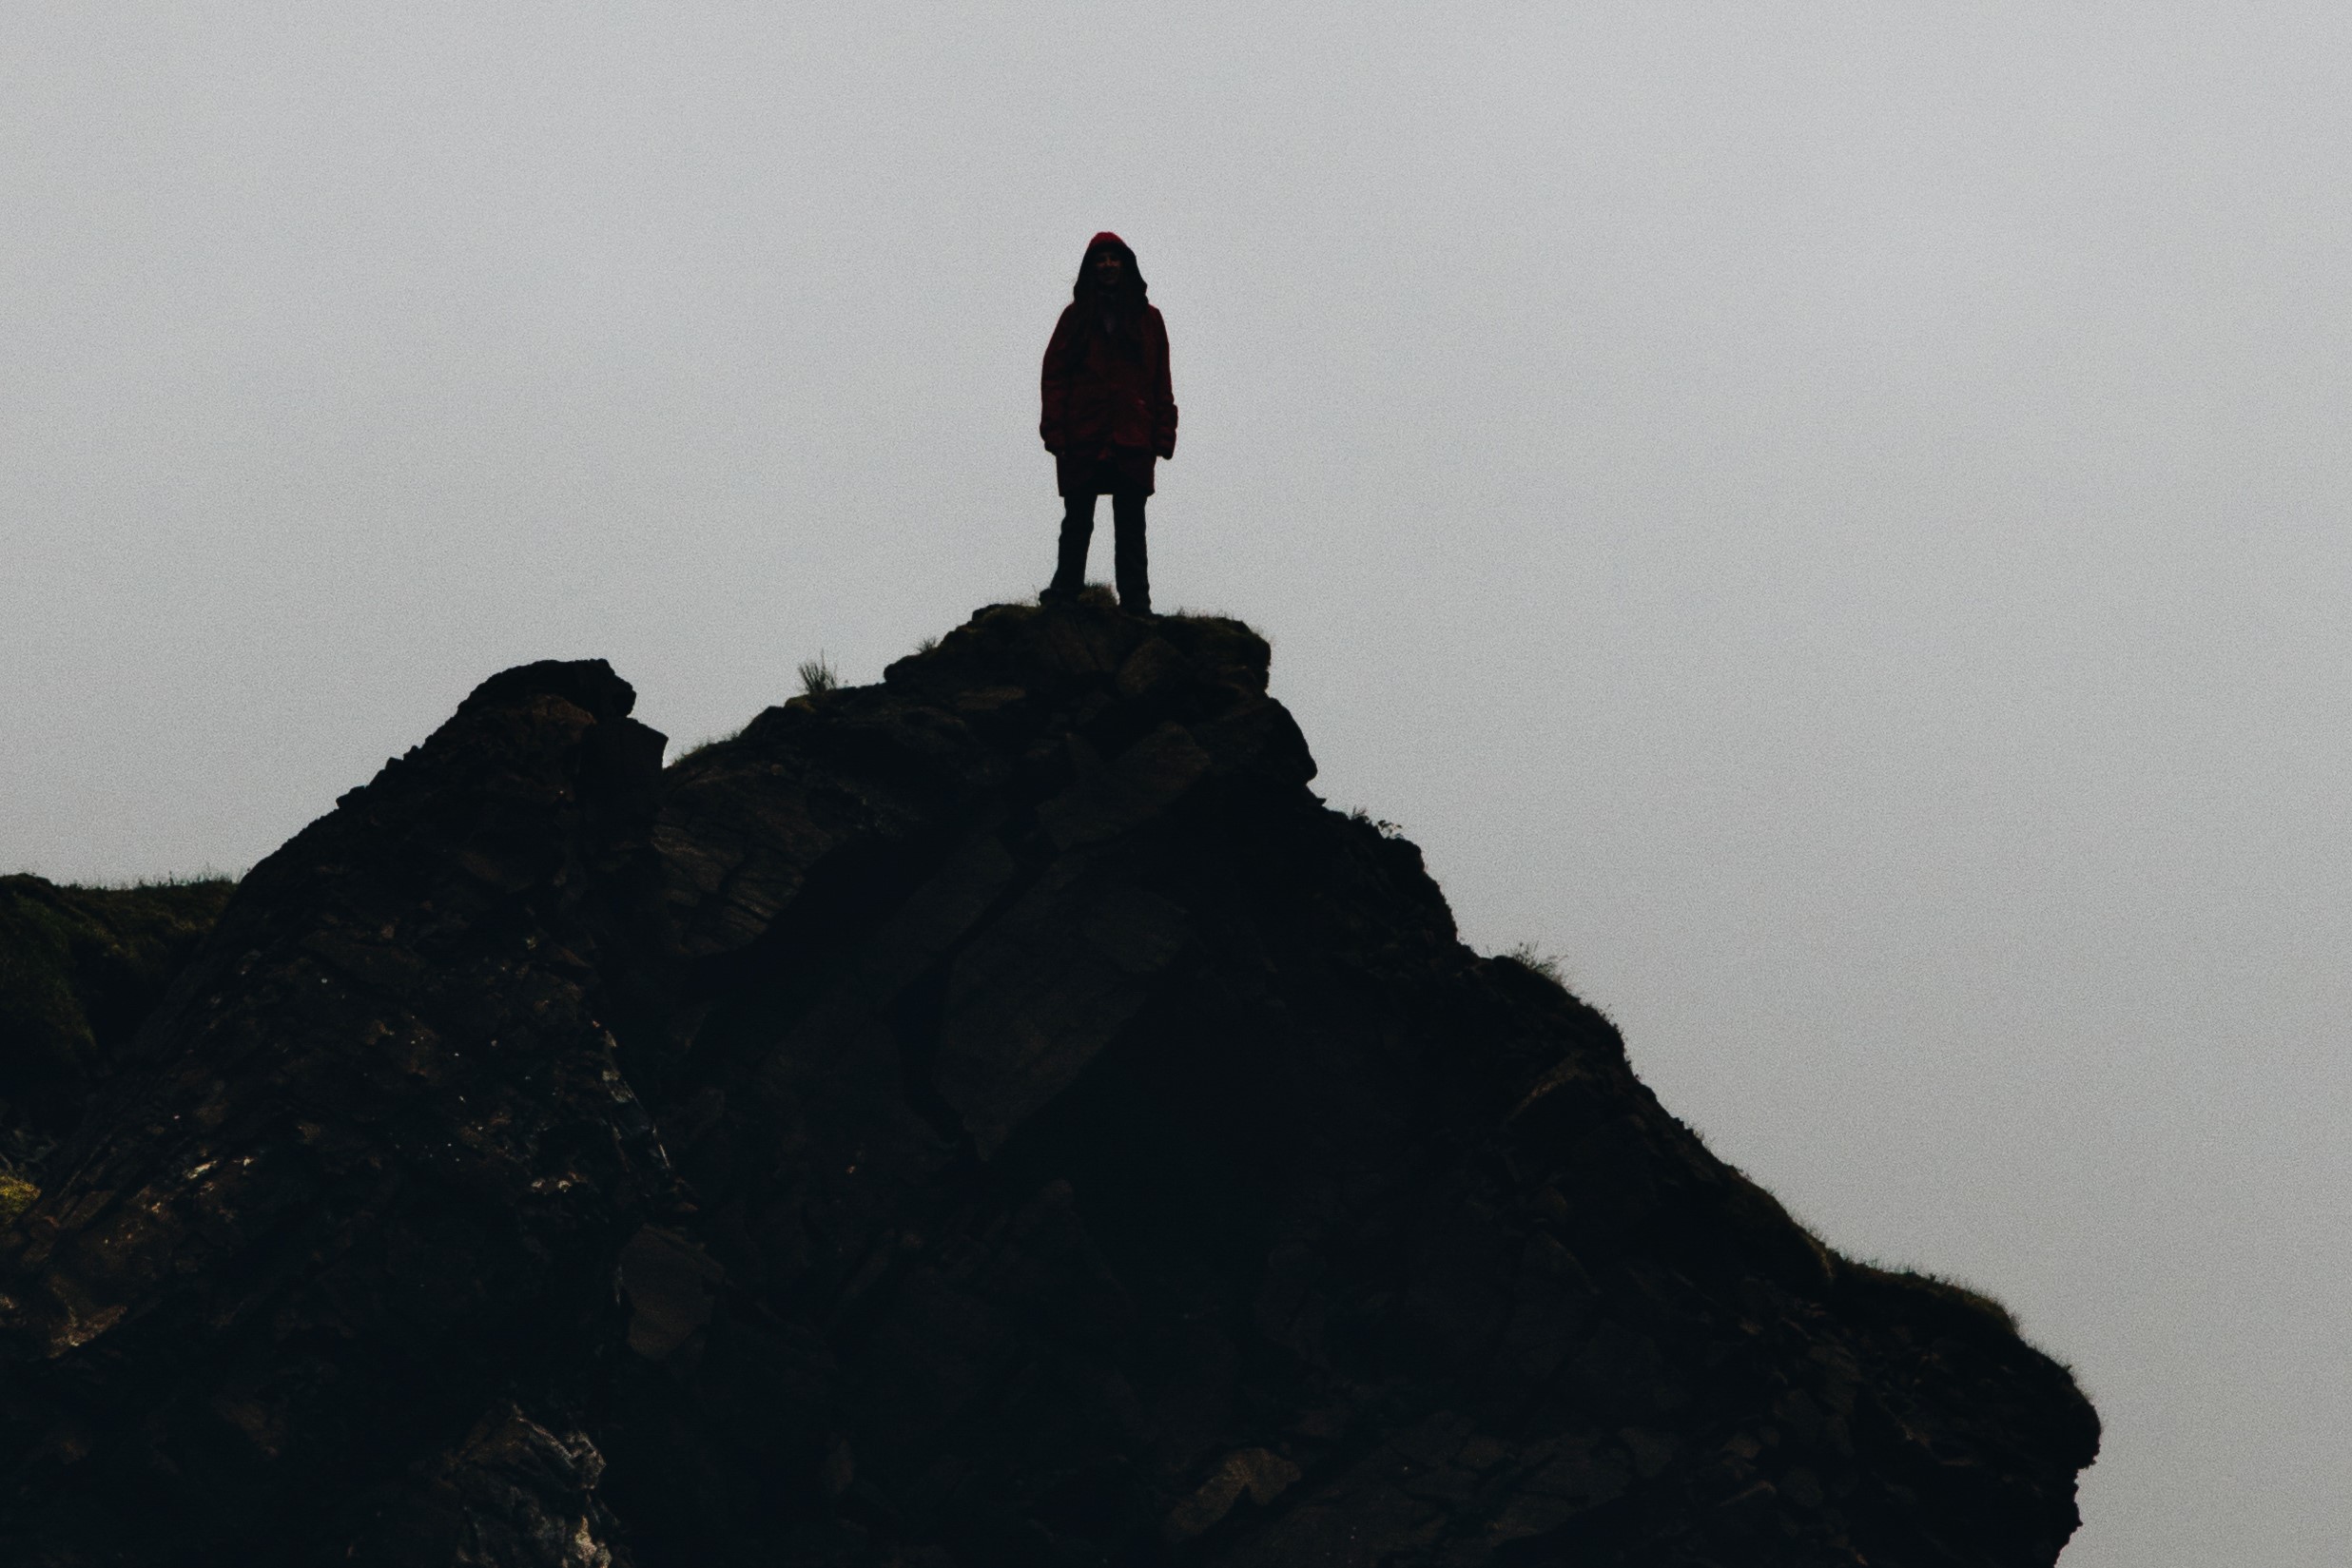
[(1110, 268)]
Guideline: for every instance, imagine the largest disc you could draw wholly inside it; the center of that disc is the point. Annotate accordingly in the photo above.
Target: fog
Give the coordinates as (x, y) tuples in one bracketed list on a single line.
[(1829, 517)]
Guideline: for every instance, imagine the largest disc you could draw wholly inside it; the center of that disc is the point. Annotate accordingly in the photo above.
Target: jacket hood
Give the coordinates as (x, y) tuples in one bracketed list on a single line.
[(1106, 240)]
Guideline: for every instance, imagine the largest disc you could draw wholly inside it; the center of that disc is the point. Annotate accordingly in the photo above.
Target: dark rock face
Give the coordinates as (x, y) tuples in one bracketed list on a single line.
[(365, 1173), (1109, 1154), (1094, 1151)]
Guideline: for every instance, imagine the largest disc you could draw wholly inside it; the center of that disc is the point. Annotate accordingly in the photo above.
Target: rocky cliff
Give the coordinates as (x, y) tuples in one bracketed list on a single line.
[(995, 1117)]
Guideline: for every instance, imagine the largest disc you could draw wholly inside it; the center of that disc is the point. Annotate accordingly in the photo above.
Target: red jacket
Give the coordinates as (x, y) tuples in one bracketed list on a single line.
[(1096, 397)]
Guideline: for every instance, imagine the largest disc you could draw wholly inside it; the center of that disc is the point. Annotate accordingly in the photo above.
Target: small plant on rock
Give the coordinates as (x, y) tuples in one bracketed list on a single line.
[(705, 745), (1527, 955)]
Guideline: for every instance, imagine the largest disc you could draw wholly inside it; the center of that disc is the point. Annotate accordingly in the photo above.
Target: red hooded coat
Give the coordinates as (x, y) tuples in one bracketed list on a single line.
[(1105, 396)]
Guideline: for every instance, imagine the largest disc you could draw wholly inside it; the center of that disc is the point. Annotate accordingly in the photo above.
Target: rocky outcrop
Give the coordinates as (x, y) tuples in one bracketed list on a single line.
[(362, 1175), (1089, 1149)]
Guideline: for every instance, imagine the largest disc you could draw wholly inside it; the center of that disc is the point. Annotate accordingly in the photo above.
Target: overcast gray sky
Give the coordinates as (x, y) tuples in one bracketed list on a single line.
[(1831, 518)]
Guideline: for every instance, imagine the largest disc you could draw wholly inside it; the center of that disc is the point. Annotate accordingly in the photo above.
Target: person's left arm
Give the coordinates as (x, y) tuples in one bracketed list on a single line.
[(1163, 392)]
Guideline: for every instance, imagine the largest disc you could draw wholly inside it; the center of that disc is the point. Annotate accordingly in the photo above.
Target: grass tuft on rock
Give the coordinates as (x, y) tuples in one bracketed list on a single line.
[(818, 676), (703, 745), (1534, 960), (1955, 1304)]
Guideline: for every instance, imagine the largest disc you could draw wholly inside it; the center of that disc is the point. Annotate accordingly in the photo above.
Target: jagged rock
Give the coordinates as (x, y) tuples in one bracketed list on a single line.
[(363, 1174), (1094, 1150), (510, 1495), (1110, 1128)]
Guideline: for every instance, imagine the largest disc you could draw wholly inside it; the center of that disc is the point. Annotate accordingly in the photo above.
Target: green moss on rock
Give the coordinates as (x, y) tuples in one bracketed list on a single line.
[(79, 968), (16, 1195)]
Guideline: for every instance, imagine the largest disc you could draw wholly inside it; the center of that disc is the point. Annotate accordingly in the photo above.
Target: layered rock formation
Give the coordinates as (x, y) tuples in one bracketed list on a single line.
[(998, 1116)]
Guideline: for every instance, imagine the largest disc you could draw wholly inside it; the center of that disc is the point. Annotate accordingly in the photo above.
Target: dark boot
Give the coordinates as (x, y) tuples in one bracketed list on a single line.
[(1134, 577), (1078, 532)]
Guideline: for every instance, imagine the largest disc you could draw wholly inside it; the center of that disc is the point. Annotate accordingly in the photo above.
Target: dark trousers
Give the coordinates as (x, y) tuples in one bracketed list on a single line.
[(1078, 531)]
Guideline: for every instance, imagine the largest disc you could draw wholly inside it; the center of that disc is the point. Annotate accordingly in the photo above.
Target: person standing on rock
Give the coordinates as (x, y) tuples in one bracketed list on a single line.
[(1108, 415)]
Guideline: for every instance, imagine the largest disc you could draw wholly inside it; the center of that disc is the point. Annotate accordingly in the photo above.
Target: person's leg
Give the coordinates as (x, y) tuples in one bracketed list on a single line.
[(1135, 577), (1078, 531)]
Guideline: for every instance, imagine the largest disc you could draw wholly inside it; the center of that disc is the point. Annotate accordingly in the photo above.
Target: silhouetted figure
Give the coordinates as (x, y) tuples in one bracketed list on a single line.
[(1108, 415)]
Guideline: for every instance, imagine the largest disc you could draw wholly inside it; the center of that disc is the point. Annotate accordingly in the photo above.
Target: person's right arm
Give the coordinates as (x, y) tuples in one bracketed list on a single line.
[(1054, 386)]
